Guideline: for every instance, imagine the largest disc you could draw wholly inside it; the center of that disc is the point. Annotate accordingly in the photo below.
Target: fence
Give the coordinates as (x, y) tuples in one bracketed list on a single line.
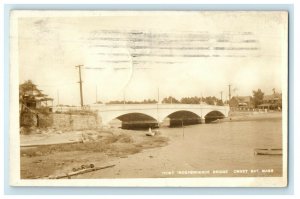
[(245, 109)]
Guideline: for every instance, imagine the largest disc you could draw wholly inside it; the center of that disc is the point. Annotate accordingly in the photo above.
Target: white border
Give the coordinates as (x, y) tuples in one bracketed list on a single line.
[(145, 182)]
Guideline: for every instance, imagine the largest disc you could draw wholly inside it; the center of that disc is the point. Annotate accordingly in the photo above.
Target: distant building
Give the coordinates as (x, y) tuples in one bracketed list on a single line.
[(241, 102), (33, 104), (35, 100), (244, 101), (272, 102)]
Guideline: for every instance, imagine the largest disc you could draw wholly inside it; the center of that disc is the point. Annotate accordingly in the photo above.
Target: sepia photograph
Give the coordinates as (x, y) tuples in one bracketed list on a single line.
[(148, 98)]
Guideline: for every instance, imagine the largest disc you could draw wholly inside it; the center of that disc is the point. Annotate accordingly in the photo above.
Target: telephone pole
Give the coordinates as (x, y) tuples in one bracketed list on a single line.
[(124, 97), (80, 84), (221, 96), (157, 95), (57, 97), (96, 94), (201, 100), (229, 93)]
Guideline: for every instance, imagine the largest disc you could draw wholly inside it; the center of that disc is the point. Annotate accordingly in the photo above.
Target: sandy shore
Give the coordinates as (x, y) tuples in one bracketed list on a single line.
[(48, 155)]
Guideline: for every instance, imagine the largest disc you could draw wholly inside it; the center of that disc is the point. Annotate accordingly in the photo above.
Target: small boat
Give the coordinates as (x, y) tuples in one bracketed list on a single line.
[(150, 132), (268, 151)]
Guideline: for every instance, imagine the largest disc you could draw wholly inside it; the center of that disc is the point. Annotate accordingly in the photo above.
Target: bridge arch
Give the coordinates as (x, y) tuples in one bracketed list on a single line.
[(137, 121), (184, 113), (182, 117), (214, 115), (126, 116), (135, 116), (218, 112)]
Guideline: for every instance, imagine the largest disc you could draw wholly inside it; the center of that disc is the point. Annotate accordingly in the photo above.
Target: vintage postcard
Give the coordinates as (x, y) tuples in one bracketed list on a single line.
[(148, 98)]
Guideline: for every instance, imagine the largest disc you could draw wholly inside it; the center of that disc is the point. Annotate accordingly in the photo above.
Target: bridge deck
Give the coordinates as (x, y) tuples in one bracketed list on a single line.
[(156, 111)]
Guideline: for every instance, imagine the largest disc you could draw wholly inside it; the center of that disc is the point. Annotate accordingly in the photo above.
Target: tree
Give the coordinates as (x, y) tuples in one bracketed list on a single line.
[(258, 97), (145, 101), (190, 100), (234, 102), (29, 91), (211, 100), (170, 100), (149, 101), (220, 103)]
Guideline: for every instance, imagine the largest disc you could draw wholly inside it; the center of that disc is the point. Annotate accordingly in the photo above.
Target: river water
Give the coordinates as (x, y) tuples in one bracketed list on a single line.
[(225, 147)]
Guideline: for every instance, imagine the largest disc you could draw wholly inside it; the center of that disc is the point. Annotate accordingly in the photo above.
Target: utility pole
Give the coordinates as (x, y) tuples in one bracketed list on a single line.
[(221, 96), (157, 115), (157, 95), (201, 98), (124, 97), (96, 94), (57, 97), (80, 84), (229, 93)]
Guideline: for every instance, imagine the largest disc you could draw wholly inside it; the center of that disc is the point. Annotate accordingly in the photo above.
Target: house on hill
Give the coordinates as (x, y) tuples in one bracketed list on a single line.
[(36, 101), (32, 104)]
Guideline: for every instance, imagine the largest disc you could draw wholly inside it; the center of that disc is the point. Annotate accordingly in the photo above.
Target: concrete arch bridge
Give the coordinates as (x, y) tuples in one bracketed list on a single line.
[(159, 112)]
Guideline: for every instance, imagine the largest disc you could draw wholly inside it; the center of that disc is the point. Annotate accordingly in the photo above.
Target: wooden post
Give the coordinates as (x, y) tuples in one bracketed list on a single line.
[(182, 128)]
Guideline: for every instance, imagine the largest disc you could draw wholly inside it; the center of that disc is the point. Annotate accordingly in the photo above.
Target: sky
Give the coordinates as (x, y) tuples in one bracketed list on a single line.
[(141, 55)]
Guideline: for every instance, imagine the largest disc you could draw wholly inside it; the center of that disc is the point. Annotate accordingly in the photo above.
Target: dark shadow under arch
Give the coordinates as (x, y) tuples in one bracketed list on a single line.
[(183, 118), (214, 116), (137, 121)]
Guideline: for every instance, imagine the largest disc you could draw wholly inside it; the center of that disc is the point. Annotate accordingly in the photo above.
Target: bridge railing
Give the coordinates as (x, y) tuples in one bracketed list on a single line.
[(156, 106)]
